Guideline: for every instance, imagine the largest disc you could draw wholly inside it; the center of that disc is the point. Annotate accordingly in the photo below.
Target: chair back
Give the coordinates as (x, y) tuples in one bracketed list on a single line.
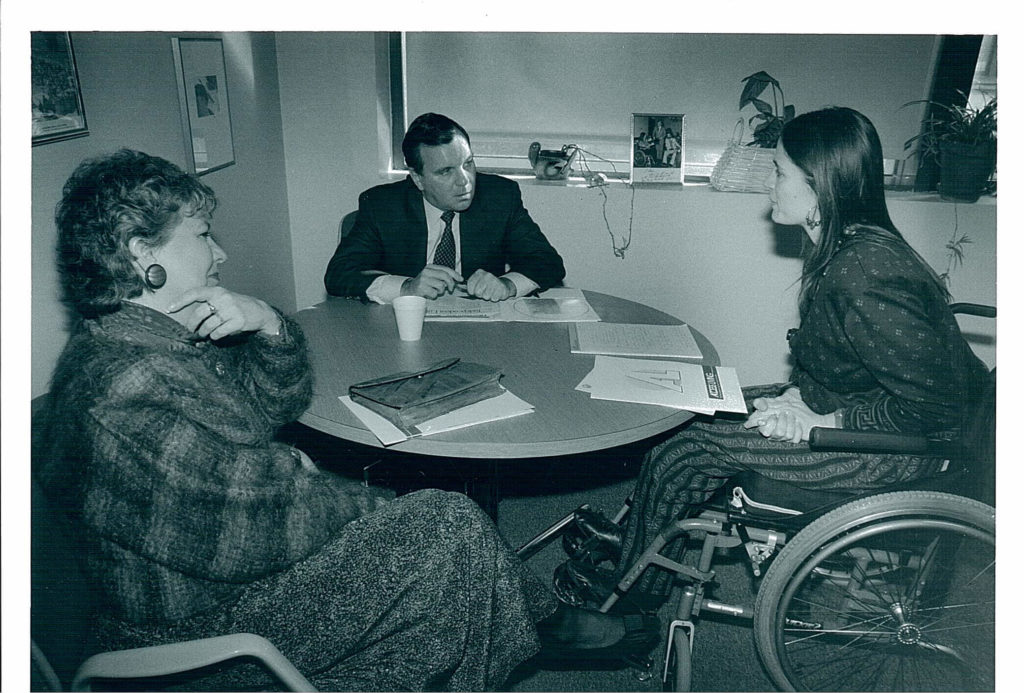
[(62, 599), (980, 428), (346, 224), (980, 445)]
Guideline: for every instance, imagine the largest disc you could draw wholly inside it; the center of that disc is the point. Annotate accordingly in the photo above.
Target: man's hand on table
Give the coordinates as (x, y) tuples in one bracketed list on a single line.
[(490, 288), (432, 282), (437, 280)]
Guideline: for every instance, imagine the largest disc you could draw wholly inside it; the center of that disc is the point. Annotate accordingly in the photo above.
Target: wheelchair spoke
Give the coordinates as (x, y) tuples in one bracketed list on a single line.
[(906, 605)]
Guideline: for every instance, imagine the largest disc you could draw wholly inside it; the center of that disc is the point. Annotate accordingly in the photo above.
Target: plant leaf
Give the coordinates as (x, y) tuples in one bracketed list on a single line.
[(788, 113), (762, 106), (754, 85), (762, 76), (751, 90)]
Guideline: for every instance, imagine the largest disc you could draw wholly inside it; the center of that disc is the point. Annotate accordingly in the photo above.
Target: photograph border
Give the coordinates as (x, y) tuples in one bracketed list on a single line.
[(657, 173), (74, 123), (209, 145)]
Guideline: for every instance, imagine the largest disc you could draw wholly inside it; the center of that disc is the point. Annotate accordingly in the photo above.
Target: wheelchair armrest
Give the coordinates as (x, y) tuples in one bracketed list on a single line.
[(978, 309), (174, 658), (874, 441)]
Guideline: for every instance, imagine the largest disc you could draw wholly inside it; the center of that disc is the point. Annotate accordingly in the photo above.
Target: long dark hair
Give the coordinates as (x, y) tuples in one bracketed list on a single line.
[(839, 152)]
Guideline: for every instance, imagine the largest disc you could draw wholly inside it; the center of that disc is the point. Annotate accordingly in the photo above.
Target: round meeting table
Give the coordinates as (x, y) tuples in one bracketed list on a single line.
[(351, 341)]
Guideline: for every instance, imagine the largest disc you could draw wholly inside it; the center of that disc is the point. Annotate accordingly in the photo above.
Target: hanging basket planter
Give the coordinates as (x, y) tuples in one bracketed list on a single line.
[(742, 168)]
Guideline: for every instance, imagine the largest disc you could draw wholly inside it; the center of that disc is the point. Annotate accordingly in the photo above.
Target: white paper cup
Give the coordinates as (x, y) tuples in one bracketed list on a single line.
[(409, 312)]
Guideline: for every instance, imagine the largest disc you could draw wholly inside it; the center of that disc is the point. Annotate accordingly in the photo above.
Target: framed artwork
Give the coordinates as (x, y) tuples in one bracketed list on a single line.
[(205, 110), (658, 144), (57, 110)]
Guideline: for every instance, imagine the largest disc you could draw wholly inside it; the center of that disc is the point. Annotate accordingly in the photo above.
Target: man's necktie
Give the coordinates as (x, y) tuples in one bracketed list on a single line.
[(445, 253)]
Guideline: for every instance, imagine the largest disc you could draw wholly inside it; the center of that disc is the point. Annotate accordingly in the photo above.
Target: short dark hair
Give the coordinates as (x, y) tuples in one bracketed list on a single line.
[(431, 129), (108, 201)]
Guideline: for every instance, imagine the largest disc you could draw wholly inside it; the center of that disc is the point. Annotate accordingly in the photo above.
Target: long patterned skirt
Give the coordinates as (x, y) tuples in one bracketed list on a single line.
[(422, 594), (688, 468)]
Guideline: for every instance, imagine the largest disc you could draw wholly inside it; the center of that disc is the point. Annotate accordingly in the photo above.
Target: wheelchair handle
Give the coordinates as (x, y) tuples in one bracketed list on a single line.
[(973, 309), (870, 441)]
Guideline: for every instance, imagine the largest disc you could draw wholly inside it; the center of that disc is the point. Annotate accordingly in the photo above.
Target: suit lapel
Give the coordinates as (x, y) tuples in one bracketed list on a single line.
[(472, 226), (417, 230)]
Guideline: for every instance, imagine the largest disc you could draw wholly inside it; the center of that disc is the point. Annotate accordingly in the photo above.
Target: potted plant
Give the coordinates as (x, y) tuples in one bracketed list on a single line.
[(963, 140), (745, 167), (767, 132)]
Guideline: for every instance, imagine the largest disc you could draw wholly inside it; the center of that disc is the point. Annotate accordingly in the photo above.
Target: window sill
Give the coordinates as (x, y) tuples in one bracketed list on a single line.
[(892, 193)]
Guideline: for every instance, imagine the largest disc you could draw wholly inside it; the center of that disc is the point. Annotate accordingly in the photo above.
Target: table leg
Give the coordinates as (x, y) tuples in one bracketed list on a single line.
[(484, 488)]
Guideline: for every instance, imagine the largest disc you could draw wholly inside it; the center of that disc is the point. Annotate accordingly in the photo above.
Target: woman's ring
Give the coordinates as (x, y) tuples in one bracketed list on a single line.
[(213, 308)]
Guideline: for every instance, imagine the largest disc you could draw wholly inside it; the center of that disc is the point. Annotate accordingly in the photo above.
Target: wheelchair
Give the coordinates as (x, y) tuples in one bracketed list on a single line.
[(887, 590)]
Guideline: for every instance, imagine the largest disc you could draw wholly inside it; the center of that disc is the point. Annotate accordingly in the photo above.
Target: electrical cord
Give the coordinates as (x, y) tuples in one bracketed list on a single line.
[(598, 180)]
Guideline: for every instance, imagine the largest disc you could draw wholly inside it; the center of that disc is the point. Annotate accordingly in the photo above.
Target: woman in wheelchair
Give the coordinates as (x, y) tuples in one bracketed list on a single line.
[(877, 349), (158, 442)]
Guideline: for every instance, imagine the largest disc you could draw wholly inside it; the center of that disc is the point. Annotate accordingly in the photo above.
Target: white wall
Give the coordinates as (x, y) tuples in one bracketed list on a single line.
[(717, 261), (329, 115), (713, 259), (305, 116), (130, 94)]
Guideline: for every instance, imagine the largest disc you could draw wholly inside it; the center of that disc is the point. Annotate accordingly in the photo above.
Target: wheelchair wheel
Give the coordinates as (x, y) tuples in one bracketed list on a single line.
[(890, 592), (679, 668)]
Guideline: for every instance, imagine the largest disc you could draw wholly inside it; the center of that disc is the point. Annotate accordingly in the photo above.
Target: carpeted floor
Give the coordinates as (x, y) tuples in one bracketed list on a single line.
[(535, 493), (724, 656)]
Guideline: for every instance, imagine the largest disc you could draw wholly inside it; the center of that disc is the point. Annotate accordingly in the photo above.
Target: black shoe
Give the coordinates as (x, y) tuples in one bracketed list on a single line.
[(583, 585), (594, 536), (642, 632), (588, 586)]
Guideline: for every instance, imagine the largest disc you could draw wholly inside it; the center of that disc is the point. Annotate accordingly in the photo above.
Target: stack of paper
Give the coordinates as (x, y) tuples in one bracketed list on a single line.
[(697, 388), (504, 406), (671, 341)]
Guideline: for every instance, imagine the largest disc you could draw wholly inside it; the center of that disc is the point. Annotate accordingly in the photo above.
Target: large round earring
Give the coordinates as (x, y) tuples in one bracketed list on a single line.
[(811, 222), (155, 277)]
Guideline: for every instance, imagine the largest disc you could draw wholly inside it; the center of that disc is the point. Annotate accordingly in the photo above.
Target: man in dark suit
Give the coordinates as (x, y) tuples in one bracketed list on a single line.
[(443, 229)]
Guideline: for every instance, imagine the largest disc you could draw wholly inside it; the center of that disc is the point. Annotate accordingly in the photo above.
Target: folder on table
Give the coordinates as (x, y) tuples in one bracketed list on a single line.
[(615, 339)]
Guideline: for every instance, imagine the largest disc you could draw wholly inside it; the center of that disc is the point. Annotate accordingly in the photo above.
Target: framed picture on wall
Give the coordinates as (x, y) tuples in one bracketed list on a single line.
[(203, 97), (57, 110), (657, 141)]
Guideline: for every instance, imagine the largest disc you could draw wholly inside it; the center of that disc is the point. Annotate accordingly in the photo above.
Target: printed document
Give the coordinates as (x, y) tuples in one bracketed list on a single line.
[(553, 305), (672, 341), (697, 388)]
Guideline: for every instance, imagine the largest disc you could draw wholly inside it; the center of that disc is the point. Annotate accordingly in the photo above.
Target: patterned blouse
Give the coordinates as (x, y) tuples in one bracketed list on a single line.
[(879, 344)]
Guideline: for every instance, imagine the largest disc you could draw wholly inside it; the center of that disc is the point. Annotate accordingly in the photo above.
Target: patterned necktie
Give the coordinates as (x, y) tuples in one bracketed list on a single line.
[(445, 253)]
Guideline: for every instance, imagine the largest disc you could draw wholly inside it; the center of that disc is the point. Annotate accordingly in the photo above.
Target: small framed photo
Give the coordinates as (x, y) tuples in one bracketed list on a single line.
[(57, 110), (658, 146), (203, 96)]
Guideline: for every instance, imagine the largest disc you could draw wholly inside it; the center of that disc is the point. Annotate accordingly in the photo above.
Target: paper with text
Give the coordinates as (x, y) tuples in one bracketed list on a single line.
[(697, 388), (554, 305)]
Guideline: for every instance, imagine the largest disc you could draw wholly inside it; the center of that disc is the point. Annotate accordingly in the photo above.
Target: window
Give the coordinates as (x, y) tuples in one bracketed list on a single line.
[(965, 71), (510, 89)]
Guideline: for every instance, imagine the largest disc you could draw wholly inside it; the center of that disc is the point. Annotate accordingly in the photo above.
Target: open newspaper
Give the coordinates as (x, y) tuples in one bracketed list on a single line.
[(553, 305)]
